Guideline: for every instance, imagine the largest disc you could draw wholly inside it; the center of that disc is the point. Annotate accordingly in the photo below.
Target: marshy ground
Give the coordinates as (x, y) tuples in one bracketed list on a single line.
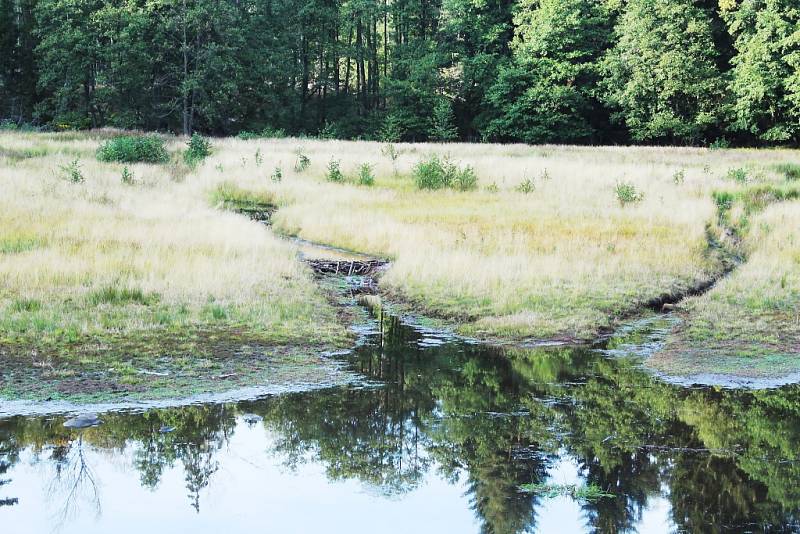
[(143, 280)]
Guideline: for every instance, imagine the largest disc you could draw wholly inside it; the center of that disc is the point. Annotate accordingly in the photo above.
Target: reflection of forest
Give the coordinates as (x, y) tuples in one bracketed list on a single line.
[(496, 420)]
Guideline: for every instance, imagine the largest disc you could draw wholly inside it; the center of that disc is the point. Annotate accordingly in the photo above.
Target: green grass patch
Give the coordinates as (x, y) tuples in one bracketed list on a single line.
[(232, 197), (117, 296), (133, 149), (18, 154), (790, 171), (16, 245)]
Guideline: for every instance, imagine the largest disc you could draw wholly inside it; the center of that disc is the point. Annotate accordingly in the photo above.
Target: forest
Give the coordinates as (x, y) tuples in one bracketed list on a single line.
[(689, 72)]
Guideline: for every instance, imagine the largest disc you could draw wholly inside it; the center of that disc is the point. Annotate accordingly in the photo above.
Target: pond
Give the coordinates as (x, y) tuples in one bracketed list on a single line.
[(441, 435)]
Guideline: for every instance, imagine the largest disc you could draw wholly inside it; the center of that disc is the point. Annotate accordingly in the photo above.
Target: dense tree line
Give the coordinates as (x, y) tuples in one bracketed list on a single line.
[(582, 71)]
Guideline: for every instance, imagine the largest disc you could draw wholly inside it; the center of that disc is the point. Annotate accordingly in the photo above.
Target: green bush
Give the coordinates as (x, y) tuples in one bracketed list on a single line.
[(302, 162), (277, 175), (431, 174), (334, 173), (266, 133), (464, 179), (737, 175), (197, 149), (127, 176), (679, 177), (627, 193), (526, 186), (435, 173), (133, 149), (365, 175), (72, 172), (790, 170)]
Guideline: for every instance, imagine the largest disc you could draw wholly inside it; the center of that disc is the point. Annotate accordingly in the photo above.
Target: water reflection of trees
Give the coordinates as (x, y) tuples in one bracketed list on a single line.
[(493, 421)]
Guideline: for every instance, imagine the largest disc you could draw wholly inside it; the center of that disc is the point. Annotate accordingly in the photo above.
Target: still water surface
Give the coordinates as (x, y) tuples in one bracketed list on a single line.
[(439, 438)]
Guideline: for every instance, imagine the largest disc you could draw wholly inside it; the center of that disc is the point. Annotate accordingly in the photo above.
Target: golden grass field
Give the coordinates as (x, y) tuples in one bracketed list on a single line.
[(80, 259), (561, 261)]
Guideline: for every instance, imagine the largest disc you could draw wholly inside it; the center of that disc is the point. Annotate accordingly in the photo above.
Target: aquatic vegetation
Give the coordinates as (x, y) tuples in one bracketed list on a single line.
[(578, 492)]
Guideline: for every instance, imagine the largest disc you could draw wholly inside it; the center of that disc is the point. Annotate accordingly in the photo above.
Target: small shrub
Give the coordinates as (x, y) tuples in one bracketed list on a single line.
[(492, 188), (302, 162), (334, 173), (365, 175), (627, 193), (719, 143), (465, 179), (526, 186), (133, 149), (328, 131), (679, 177), (244, 135), (738, 175), (791, 171), (197, 149), (277, 175), (127, 176), (431, 174), (390, 152), (72, 172), (435, 173), (724, 200), (259, 159)]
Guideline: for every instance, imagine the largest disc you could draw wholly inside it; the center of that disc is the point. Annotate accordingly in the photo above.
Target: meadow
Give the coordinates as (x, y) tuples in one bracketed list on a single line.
[(126, 282), (110, 262)]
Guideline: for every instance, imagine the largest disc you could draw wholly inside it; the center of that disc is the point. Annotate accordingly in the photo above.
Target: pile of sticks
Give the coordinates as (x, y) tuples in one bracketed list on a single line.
[(346, 268)]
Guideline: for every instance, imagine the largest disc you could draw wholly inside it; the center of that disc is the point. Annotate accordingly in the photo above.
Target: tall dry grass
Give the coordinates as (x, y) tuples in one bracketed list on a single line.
[(562, 259), (102, 257)]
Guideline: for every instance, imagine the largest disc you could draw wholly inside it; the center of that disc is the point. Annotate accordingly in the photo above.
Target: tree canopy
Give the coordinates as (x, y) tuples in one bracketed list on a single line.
[(575, 71)]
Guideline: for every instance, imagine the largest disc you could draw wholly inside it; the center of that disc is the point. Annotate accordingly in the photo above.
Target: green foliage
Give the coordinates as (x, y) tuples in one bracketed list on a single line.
[(547, 93), (662, 73), (365, 175), (116, 296), (526, 186), (266, 133), (679, 177), (302, 162), (133, 149), (435, 173), (390, 152), (627, 193), (392, 129), (277, 175), (197, 149), (582, 493), (71, 172), (492, 188), (442, 122), (738, 175), (789, 170), (765, 77), (127, 177), (334, 172), (26, 305), (258, 158)]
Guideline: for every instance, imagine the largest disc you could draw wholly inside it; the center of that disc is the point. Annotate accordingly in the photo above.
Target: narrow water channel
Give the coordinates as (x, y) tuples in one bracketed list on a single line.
[(440, 437)]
